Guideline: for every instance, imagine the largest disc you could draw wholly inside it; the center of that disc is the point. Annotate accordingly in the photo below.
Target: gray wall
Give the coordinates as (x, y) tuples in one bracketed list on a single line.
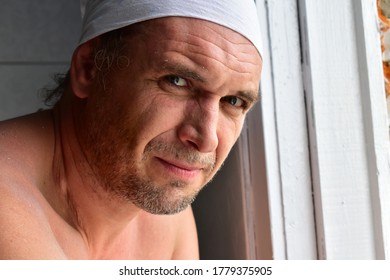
[(37, 39)]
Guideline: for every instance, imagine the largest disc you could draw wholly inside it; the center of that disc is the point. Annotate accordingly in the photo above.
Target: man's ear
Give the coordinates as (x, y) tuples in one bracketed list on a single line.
[(82, 69)]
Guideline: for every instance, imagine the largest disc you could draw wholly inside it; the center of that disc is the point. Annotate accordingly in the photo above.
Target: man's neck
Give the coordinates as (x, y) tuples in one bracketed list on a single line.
[(98, 216)]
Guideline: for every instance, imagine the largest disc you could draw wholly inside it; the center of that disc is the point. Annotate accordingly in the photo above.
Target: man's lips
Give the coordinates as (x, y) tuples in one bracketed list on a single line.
[(180, 169)]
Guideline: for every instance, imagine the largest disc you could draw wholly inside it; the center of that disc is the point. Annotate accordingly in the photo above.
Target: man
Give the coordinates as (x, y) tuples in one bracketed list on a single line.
[(155, 98)]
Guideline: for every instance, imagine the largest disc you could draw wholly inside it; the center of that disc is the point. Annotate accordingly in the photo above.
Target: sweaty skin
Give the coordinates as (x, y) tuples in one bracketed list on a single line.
[(91, 178)]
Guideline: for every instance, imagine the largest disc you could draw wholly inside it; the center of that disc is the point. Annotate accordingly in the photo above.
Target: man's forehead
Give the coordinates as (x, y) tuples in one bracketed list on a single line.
[(193, 38), (173, 27)]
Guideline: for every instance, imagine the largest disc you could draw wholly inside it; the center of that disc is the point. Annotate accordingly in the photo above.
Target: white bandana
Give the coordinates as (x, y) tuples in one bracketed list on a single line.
[(101, 16)]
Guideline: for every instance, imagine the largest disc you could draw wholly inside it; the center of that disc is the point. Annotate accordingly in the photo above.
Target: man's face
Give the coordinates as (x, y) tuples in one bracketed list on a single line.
[(170, 111)]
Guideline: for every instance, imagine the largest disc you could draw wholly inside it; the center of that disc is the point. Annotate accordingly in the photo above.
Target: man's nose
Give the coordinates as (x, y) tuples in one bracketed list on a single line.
[(200, 128)]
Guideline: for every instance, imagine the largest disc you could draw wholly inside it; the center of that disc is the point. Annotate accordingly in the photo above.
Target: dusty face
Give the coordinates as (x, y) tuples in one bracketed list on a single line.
[(165, 123)]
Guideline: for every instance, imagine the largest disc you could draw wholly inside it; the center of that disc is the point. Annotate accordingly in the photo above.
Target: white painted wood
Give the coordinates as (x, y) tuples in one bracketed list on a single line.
[(270, 141), (286, 136), (375, 121), (350, 162)]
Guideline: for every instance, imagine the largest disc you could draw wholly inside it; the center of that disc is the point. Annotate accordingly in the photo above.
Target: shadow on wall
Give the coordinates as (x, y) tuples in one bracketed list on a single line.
[(219, 214)]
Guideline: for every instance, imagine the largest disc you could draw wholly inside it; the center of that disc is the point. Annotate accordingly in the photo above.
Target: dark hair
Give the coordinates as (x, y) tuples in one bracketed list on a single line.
[(108, 52)]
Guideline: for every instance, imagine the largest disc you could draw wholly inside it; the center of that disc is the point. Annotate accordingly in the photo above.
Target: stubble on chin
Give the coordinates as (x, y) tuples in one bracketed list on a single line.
[(171, 197)]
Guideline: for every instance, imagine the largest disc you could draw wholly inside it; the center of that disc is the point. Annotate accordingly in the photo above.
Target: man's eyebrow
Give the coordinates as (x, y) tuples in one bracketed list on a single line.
[(183, 71), (250, 95)]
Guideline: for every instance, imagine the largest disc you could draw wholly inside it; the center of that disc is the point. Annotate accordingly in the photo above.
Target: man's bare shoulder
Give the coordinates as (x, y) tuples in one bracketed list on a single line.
[(25, 151), (25, 232), (23, 226), (26, 141)]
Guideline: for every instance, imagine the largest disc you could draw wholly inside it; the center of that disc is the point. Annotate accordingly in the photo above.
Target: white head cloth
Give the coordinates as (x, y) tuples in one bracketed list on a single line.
[(101, 16)]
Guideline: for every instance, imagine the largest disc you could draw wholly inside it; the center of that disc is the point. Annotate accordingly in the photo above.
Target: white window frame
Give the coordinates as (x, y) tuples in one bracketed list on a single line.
[(325, 130)]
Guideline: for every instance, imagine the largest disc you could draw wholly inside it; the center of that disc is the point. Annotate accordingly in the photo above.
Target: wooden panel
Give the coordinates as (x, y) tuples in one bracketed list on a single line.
[(286, 136), (375, 122), (334, 83), (271, 155)]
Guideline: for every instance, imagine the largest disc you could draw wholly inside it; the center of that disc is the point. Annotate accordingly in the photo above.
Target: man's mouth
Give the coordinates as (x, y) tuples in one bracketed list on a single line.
[(183, 170)]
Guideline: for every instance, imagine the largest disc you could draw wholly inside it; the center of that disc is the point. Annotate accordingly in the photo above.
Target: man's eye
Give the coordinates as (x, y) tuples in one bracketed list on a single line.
[(177, 81), (235, 101)]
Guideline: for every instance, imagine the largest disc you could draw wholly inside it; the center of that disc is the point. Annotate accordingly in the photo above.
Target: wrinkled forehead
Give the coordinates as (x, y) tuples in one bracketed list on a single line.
[(192, 38), (101, 16)]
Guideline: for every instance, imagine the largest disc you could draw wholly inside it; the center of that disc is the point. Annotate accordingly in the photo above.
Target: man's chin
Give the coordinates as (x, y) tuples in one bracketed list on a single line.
[(166, 208), (169, 203)]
